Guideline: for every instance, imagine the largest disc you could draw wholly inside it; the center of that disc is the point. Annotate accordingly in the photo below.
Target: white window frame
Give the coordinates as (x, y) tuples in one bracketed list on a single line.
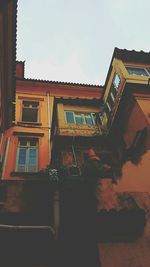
[(146, 70), (82, 114), (28, 147), (109, 107), (112, 97)]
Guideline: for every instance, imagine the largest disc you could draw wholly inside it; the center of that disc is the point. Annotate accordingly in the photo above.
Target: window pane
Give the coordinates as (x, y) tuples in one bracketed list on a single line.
[(35, 104), (22, 156), (33, 142), (137, 71), (29, 114), (30, 104), (32, 156), (78, 119), (94, 117), (69, 117), (88, 120), (116, 81), (26, 103), (23, 142)]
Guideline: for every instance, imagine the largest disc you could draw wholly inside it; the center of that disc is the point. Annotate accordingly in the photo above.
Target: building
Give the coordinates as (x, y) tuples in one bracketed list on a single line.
[(126, 116), (125, 120), (48, 114), (56, 124)]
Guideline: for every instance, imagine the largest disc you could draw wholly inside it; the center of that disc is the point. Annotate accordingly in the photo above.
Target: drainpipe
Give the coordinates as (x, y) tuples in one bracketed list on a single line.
[(49, 125), (5, 157), (73, 151), (56, 195), (1, 140)]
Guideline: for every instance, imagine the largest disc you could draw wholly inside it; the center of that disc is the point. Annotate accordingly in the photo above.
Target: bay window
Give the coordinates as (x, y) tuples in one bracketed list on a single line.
[(75, 117)]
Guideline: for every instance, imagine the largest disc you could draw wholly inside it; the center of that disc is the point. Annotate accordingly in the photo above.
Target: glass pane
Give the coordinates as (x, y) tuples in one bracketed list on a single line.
[(30, 104), (32, 156), (29, 114), (22, 156), (78, 119), (23, 142), (116, 81), (33, 142), (88, 120), (137, 71), (26, 103), (35, 104), (69, 117)]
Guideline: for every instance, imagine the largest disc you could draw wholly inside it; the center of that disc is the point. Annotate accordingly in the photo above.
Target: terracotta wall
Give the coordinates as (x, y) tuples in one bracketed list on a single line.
[(129, 254)]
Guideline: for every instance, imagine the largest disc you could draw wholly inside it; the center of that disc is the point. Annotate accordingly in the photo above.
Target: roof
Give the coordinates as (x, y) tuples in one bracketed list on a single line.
[(132, 55), (60, 82), (128, 56)]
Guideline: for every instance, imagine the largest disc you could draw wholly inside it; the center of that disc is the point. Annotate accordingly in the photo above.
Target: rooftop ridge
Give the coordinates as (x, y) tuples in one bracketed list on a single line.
[(59, 82)]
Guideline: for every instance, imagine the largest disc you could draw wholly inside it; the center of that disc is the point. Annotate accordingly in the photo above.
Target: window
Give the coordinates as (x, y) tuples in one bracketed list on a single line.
[(138, 71), (30, 111), (116, 81), (27, 155), (80, 118), (69, 116), (112, 93)]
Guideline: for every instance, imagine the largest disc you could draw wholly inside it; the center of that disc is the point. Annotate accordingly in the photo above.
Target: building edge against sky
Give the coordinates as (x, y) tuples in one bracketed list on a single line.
[(56, 123)]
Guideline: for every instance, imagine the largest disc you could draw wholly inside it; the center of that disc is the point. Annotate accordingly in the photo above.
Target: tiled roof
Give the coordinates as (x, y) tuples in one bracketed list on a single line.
[(132, 55), (59, 82)]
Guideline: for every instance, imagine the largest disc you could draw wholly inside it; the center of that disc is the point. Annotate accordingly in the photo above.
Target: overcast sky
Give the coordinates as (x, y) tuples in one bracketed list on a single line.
[(73, 40)]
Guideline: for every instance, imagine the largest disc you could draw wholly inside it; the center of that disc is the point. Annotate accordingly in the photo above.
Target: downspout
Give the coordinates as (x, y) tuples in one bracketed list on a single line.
[(49, 125), (56, 195), (5, 157), (1, 140), (73, 151), (1, 146)]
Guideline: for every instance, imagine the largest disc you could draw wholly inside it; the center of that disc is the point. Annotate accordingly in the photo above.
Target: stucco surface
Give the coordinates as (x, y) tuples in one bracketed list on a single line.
[(129, 254)]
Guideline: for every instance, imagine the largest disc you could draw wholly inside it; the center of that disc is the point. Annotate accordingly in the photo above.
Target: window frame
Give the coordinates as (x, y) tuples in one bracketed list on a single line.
[(38, 111), (82, 115), (28, 148), (108, 106), (147, 70)]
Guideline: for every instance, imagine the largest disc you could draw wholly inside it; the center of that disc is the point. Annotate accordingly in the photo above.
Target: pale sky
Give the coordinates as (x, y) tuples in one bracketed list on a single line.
[(73, 40)]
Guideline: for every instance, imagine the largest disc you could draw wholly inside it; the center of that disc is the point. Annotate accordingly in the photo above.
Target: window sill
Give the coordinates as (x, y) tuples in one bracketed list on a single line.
[(23, 174), (29, 123)]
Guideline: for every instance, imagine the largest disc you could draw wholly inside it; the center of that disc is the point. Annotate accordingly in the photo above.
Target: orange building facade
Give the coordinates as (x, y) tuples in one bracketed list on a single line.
[(41, 118), (56, 124)]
